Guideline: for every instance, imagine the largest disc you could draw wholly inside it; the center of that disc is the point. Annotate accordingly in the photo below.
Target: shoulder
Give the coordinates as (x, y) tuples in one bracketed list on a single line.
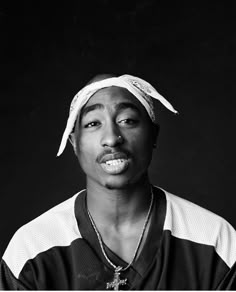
[(56, 227), (189, 221)]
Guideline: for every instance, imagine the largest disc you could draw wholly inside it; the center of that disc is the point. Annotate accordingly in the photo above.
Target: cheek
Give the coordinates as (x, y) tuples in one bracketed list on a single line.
[(142, 139), (142, 147), (85, 152)]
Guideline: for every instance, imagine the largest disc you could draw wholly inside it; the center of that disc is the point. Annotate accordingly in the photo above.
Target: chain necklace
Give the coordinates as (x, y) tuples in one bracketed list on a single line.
[(118, 269)]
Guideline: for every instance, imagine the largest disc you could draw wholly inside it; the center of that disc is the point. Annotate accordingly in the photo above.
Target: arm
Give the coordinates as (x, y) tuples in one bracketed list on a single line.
[(8, 281), (229, 281)]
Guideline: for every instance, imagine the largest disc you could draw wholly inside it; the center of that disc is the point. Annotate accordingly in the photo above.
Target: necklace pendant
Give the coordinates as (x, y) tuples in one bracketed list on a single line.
[(116, 281)]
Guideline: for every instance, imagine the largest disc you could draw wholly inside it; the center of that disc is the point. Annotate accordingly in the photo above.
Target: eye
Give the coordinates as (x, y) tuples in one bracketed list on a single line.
[(128, 122), (92, 124)]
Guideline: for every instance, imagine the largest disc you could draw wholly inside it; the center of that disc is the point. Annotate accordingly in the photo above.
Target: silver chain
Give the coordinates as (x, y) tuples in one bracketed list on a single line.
[(118, 268)]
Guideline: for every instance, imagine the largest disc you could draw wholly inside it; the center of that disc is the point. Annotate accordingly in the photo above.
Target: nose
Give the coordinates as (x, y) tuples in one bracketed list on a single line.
[(111, 136)]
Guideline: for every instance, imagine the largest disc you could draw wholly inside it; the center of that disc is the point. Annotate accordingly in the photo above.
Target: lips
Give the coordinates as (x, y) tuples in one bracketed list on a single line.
[(113, 156), (114, 163), (116, 166)]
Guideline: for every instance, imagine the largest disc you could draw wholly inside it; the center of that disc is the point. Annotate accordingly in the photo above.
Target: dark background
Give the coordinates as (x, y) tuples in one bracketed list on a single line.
[(49, 50)]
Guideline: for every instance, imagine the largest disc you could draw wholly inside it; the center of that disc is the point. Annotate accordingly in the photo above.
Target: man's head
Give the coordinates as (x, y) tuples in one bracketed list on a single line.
[(113, 138), (114, 131), (138, 87)]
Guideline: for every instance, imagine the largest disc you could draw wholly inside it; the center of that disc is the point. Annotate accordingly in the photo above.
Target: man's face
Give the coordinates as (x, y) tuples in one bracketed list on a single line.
[(114, 139)]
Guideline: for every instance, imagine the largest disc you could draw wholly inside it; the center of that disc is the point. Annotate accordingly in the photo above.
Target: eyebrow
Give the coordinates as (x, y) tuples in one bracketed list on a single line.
[(126, 105), (119, 107), (90, 108)]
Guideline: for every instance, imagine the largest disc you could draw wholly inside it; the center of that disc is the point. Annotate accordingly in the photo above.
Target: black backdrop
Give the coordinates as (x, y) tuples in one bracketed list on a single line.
[(50, 50)]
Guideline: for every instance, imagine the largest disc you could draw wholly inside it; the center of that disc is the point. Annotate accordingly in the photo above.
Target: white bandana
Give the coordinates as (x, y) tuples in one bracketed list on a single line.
[(141, 89)]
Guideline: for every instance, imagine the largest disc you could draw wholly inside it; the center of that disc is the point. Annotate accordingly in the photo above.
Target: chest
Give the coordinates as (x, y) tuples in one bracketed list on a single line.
[(127, 245)]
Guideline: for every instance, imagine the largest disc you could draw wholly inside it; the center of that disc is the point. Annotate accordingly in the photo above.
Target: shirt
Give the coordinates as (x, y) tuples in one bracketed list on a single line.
[(187, 247)]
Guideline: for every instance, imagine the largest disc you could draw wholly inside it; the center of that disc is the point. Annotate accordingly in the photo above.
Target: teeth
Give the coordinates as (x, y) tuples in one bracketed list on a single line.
[(114, 162)]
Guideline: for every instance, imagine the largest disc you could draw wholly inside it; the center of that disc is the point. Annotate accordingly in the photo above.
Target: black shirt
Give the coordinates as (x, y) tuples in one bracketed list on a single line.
[(187, 247)]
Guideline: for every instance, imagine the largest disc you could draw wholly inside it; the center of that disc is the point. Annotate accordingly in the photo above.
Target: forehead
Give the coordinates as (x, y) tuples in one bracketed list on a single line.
[(112, 96)]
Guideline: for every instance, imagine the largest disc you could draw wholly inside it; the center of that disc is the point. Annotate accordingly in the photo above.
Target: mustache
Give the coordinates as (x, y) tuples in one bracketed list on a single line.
[(112, 151)]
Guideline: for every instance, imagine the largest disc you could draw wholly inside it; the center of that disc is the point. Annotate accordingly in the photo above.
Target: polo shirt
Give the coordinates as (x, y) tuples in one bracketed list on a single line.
[(187, 247)]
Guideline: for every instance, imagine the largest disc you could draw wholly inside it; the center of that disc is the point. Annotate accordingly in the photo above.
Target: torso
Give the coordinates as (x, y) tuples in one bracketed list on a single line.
[(171, 259)]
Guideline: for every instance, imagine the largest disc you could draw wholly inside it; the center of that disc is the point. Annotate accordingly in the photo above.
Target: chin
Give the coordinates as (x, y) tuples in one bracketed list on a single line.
[(122, 182), (116, 183), (115, 186)]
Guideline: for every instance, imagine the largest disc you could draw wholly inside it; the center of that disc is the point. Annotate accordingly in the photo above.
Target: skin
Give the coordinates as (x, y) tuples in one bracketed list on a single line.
[(117, 202)]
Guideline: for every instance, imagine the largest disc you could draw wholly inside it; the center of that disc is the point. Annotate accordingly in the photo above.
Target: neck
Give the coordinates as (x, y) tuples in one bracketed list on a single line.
[(118, 207)]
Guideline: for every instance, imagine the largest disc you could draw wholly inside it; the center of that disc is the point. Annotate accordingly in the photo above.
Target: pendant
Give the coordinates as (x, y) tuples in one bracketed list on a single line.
[(116, 281)]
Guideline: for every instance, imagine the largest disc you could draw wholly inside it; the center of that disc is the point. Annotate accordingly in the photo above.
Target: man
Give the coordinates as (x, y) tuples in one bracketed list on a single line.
[(121, 233)]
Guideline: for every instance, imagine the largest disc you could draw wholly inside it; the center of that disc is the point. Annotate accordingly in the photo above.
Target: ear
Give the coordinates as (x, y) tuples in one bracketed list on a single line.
[(156, 130), (73, 141)]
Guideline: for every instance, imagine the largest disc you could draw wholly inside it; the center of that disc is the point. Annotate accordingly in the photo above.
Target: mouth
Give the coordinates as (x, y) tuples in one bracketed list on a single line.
[(114, 163), (115, 166)]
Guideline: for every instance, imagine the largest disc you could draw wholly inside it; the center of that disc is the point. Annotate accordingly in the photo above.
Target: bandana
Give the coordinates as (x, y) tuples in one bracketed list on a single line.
[(141, 89)]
